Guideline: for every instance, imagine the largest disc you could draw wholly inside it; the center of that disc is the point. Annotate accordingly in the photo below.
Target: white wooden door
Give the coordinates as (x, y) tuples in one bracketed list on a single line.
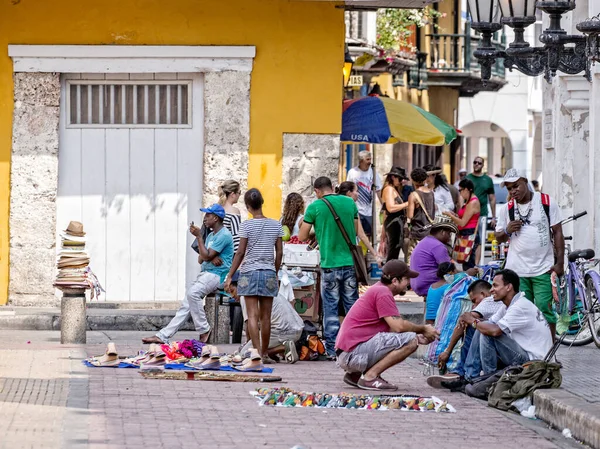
[(130, 169)]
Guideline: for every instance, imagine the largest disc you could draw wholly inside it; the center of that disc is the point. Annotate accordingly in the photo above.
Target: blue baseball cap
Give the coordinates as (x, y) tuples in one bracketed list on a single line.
[(215, 209)]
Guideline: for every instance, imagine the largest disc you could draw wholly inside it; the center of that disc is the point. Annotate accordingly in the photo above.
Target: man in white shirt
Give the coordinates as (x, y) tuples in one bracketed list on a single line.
[(531, 220), (484, 307), (513, 336), (362, 176)]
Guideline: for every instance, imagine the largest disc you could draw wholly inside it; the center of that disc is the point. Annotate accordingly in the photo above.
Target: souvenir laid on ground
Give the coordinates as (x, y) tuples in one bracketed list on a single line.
[(73, 262), (285, 397), (207, 375), (187, 355)]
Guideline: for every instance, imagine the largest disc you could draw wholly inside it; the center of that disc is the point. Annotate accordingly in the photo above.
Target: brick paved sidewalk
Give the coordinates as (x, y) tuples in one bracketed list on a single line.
[(48, 399)]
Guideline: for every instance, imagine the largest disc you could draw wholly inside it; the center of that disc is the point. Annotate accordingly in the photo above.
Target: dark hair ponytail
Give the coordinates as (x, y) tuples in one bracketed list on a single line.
[(345, 187), (253, 199)]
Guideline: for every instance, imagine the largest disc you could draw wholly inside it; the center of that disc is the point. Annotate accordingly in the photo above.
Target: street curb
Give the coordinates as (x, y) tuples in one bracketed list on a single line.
[(564, 410)]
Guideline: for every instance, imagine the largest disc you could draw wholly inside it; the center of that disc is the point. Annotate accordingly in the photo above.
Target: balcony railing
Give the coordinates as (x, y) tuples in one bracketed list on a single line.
[(454, 53)]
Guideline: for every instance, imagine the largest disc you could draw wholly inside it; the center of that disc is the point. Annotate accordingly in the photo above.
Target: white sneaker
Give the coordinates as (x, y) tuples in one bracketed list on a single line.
[(291, 355)]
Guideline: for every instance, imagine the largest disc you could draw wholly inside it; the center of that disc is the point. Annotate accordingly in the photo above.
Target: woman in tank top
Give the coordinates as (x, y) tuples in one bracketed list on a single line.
[(421, 209), (395, 209), (467, 217), (229, 195)]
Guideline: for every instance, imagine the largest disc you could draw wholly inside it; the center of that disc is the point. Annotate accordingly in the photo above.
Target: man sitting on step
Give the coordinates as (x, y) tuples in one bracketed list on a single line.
[(215, 256)]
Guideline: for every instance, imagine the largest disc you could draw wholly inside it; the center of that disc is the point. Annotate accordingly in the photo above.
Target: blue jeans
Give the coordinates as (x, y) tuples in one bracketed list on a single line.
[(485, 353), (336, 284), (503, 349), (464, 352)]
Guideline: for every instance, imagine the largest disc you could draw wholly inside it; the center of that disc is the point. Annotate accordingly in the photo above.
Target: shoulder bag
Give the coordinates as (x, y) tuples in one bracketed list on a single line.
[(463, 246), (360, 265)]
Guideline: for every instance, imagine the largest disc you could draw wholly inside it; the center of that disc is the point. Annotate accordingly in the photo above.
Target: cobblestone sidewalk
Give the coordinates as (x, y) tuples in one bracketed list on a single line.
[(48, 399)]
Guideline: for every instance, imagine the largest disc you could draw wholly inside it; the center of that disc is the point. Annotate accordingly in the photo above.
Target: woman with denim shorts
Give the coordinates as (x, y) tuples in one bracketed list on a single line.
[(258, 258)]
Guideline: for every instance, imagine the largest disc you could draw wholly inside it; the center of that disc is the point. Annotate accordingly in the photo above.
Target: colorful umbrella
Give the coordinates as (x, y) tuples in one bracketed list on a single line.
[(384, 120)]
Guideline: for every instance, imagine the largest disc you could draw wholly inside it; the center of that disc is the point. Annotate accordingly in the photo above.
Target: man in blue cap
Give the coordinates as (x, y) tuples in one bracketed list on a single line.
[(215, 255)]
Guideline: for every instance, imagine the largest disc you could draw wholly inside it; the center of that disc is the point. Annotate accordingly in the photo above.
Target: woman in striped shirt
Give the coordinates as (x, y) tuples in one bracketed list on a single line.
[(229, 194), (258, 258)]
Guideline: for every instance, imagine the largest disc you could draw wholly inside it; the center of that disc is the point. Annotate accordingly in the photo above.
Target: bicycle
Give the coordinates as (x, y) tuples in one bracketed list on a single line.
[(577, 296)]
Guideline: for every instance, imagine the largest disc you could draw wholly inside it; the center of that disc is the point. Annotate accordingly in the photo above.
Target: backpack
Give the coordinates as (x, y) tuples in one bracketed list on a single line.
[(518, 384), (310, 346)]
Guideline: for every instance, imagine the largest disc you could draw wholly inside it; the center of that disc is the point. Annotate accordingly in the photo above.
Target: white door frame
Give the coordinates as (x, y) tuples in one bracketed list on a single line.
[(229, 68)]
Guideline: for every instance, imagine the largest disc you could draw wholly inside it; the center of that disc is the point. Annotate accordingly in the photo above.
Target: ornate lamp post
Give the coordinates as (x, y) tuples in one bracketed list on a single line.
[(561, 52)]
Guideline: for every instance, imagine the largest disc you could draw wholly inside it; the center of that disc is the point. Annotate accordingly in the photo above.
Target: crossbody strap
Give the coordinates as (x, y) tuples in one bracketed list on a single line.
[(423, 206), (338, 221)]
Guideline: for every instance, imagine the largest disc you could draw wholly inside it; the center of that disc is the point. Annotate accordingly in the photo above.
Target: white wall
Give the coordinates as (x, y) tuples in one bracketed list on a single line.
[(511, 108)]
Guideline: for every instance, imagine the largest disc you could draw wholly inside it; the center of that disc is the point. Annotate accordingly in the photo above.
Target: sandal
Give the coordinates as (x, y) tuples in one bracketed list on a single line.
[(252, 365)]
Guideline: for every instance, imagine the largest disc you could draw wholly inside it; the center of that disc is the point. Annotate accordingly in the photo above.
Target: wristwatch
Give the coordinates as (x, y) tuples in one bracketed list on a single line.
[(474, 324)]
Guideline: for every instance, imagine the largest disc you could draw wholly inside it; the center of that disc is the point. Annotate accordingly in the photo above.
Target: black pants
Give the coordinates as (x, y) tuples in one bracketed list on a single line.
[(394, 231)]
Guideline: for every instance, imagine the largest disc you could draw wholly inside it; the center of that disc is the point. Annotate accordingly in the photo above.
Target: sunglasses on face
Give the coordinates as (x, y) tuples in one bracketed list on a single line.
[(477, 163)]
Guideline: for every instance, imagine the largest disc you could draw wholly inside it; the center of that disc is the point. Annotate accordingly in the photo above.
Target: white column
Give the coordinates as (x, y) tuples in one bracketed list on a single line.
[(570, 170)]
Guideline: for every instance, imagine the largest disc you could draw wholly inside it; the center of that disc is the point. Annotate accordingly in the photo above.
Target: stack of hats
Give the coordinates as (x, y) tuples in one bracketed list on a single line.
[(72, 260)]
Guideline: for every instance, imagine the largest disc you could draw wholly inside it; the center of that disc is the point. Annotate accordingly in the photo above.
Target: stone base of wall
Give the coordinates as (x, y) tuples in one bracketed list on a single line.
[(305, 158), (227, 132), (34, 182)]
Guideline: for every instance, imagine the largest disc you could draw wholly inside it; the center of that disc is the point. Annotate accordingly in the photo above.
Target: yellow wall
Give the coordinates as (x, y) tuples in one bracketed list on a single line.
[(444, 103), (296, 82)]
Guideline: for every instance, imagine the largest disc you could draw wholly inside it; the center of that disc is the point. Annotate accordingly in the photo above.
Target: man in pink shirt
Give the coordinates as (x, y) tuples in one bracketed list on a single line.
[(374, 337)]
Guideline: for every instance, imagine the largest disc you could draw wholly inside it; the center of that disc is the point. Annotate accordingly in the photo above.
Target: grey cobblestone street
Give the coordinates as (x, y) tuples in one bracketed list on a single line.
[(49, 399)]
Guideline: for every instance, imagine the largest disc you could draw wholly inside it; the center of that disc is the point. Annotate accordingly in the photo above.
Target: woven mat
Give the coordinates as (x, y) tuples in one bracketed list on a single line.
[(208, 375), (285, 397)]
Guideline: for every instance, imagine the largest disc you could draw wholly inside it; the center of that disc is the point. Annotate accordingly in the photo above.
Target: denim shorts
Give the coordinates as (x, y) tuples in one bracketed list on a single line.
[(258, 283)]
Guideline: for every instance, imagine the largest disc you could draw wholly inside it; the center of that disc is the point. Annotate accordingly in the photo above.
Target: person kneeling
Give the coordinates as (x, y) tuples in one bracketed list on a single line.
[(515, 334), (373, 337)]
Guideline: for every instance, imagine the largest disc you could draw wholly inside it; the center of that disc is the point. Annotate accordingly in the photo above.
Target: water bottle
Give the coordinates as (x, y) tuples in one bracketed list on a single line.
[(494, 249), (502, 255)]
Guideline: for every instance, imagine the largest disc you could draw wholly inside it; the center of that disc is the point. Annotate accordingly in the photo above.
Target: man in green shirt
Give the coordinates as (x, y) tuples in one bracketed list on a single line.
[(484, 191), (484, 188), (338, 278)]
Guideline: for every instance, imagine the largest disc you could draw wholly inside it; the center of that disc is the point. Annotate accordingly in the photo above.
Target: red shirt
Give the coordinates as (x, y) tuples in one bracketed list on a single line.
[(366, 317), (472, 224)]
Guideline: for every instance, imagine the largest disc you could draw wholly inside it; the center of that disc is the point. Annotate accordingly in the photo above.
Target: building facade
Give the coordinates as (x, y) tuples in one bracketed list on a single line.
[(127, 117), (571, 141)]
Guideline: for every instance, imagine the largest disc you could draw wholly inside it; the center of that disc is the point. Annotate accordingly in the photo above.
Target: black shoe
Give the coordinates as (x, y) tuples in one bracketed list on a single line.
[(352, 379), (455, 385)]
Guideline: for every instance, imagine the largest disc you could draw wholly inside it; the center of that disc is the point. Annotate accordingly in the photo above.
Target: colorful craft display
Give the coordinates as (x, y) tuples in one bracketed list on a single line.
[(286, 397)]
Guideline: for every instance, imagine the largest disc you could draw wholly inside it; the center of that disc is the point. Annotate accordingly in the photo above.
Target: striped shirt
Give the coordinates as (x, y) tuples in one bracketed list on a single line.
[(232, 222), (262, 234)]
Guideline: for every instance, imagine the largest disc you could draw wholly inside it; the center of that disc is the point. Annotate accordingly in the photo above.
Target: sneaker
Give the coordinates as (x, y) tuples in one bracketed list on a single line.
[(378, 384), (291, 355), (352, 379), (436, 381)]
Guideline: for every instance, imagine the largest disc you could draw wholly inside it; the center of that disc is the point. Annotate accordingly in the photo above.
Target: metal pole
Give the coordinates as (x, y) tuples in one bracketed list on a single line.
[(374, 205)]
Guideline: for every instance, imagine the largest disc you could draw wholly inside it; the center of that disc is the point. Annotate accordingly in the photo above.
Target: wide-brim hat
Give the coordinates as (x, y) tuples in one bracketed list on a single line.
[(443, 222), (75, 228), (397, 171), (434, 172)]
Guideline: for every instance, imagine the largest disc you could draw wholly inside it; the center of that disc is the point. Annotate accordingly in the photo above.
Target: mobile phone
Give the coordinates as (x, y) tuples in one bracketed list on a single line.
[(192, 223)]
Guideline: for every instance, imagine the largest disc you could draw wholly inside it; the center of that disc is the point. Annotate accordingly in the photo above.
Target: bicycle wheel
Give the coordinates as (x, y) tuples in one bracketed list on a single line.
[(594, 308), (572, 323)]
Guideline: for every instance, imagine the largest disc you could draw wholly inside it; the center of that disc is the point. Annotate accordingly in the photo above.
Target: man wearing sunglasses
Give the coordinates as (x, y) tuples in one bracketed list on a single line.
[(484, 189)]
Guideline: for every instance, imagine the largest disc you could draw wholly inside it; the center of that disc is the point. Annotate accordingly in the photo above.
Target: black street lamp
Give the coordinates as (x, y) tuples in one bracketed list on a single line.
[(570, 54)]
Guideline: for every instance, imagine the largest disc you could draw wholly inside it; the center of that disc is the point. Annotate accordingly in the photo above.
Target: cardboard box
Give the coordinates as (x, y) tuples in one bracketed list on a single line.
[(306, 302)]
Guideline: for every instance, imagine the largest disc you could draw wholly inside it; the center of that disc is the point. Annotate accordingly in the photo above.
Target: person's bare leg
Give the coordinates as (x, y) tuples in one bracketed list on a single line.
[(391, 359), (272, 352), (266, 304), (553, 330), (253, 317)]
